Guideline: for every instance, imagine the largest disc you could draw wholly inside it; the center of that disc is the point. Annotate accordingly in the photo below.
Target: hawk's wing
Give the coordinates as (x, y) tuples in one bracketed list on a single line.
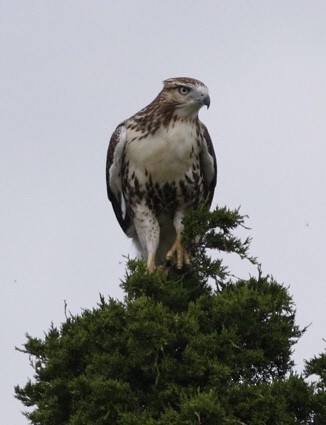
[(114, 177), (208, 163)]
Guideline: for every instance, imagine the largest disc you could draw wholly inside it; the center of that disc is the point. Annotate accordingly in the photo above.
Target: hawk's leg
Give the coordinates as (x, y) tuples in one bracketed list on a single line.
[(178, 251), (148, 231)]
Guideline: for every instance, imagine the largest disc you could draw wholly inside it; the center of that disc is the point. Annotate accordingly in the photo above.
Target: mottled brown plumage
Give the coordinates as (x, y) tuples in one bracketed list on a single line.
[(160, 164)]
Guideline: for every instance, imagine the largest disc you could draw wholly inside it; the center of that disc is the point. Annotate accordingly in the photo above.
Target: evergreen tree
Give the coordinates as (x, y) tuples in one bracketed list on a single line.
[(182, 348)]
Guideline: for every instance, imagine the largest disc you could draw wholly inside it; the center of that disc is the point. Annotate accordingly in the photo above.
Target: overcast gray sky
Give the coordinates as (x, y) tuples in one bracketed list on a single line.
[(71, 71)]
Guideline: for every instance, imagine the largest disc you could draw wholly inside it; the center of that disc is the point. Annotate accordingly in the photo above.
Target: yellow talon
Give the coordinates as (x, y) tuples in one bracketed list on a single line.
[(179, 252), (151, 262)]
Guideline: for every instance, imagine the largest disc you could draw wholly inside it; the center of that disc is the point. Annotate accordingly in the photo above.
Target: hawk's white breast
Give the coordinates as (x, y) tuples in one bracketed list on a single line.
[(167, 155)]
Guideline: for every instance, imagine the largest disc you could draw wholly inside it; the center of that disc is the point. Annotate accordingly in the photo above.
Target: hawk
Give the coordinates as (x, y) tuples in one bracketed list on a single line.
[(161, 164)]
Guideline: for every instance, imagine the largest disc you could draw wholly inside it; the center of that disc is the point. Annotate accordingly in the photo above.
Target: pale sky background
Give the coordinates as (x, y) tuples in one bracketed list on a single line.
[(71, 71)]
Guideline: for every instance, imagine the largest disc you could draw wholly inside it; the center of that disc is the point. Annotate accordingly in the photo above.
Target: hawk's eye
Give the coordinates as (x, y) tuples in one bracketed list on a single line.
[(183, 90)]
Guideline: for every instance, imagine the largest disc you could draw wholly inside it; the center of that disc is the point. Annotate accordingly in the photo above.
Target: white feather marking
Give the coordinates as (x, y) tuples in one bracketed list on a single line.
[(208, 164)]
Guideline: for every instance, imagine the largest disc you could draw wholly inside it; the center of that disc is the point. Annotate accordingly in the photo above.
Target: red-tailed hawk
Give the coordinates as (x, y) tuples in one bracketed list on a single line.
[(161, 164)]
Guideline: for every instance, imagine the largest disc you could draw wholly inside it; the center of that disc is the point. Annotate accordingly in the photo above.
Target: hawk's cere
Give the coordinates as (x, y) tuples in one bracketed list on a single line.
[(161, 164)]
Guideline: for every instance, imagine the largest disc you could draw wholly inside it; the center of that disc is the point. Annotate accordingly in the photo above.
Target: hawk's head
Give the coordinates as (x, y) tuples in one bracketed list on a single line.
[(187, 95)]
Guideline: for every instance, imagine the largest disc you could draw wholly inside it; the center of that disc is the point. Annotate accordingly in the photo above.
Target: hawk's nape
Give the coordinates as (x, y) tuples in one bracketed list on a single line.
[(160, 165)]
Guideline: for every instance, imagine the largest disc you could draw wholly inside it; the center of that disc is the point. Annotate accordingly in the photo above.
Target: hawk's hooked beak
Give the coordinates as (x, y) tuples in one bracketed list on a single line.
[(206, 100)]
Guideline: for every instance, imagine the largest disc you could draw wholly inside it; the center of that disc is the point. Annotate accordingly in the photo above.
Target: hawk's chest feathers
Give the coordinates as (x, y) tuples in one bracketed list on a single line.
[(168, 155)]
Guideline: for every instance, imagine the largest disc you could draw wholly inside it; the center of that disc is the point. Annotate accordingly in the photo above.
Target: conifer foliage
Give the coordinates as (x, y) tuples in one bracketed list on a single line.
[(182, 348)]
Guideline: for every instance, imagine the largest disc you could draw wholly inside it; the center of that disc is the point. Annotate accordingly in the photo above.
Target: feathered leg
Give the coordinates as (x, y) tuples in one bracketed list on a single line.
[(148, 231)]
